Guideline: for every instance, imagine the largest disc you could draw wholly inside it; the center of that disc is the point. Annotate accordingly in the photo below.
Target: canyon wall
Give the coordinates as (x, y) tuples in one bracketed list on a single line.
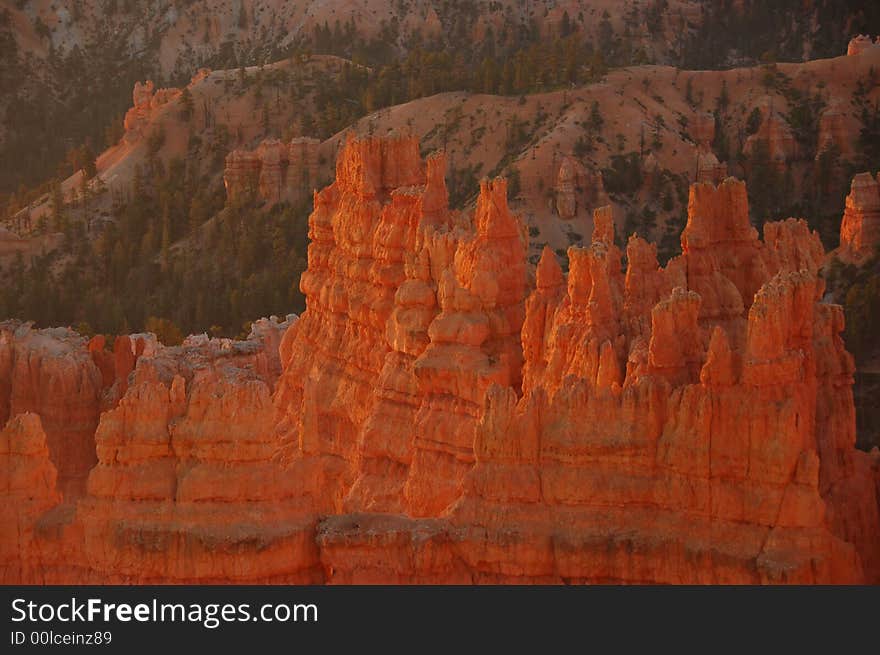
[(443, 413)]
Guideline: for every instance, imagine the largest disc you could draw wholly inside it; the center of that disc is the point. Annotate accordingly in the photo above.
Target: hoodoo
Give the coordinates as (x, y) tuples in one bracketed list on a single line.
[(443, 413)]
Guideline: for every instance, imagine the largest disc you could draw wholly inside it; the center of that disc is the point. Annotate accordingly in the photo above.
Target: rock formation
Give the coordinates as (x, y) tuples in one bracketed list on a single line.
[(199, 75), (184, 463), (860, 43), (50, 373), (241, 175), (274, 172), (444, 415), (25, 242), (145, 101), (833, 130), (775, 132), (860, 227), (709, 169), (575, 187), (270, 154), (28, 483)]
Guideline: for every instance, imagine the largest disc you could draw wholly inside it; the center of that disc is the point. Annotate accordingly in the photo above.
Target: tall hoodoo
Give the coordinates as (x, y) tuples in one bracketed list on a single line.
[(860, 228)]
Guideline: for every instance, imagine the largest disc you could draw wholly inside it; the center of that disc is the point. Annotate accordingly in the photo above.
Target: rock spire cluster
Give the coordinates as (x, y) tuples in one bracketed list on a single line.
[(443, 413)]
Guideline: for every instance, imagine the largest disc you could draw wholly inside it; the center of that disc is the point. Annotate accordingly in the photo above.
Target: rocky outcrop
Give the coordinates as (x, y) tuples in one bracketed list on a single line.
[(199, 75), (241, 176), (28, 247), (185, 464), (186, 482), (303, 163), (860, 227), (861, 43), (430, 304), (28, 484), (702, 129), (774, 132), (270, 154), (146, 99), (575, 187), (274, 172), (443, 415), (142, 94), (51, 373), (709, 169), (834, 131)]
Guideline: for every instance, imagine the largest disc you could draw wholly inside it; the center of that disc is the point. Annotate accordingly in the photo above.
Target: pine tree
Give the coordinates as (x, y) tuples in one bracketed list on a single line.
[(56, 202), (724, 98), (242, 17), (186, 102), (565, 29), (166, 237), (606, 34), (90, 166), (596, 120)]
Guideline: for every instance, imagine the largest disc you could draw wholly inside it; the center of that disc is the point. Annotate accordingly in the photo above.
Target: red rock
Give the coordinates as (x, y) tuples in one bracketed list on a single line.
[(125, 355), (270, 153), (142, 93), (775, 131), (102, 359), (302, 171), (833, 130), (709, 169), (703, 128), (274, 172), (576, 187), (28, 480), (145, 100), (860, 227), (51, 373), (241, 175), (436, 420), (860, 43)]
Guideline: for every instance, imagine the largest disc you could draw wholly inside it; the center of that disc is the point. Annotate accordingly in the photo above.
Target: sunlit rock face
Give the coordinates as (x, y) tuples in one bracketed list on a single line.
[(861, 43), (145, 100), (860, 227), (443, 413)]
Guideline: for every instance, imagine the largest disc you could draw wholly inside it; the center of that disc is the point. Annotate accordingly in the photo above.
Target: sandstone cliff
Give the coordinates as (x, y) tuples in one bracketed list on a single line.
[(444, 414)]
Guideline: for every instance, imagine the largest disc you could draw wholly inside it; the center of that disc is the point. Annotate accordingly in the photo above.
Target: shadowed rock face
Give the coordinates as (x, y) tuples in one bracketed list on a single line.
[(273, 172), (440, 413)]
